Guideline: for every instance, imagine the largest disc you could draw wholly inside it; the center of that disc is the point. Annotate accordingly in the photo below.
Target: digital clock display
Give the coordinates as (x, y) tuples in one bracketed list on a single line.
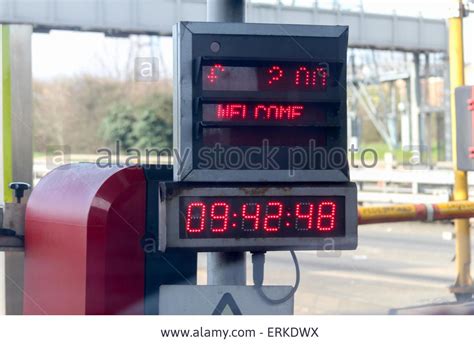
[(262, 217), (265, 77)]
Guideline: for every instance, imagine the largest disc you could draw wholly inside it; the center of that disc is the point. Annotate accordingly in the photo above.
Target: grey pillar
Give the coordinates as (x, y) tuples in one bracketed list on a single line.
[(392, 116), (415, 101), (448, 149), (226, 268), (226, 10)]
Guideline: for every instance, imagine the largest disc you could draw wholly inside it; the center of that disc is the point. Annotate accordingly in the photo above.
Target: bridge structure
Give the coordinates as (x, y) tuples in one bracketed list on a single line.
[(367, 30)]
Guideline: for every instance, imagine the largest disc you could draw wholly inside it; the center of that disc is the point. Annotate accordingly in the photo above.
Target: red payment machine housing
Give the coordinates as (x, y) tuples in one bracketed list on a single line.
[(82, 250), (90, 243)]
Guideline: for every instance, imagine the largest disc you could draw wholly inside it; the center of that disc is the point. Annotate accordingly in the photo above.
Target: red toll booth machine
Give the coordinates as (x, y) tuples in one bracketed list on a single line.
[(91, 243)]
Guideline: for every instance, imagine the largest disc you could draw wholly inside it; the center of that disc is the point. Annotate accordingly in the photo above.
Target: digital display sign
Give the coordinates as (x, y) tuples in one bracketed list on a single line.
[(257, 216), (276, 136), (265, 77), (261, 217), (241, 86), (253, 113), (260, 127)]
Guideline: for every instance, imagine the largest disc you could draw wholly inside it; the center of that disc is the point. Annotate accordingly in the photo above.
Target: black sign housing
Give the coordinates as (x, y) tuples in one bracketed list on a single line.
[(260, 102)]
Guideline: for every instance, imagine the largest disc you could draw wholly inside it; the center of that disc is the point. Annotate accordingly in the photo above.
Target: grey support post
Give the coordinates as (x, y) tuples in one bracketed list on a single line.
[(226, 268), (226, 10)]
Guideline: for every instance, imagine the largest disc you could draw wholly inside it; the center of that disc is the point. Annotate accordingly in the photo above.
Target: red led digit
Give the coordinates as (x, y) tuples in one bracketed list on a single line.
[(276, 73), (212, 77), (195, 223), (322, 74), (273, 112), (326, 220), (317, 77), (234, 110), (296, 111), (305, 80), (238, 111), (286, 112), (253, 216), (244, 111), (219, 218), (257, 111), (274, 218), (222, 111), (304, 216), (231, 111)]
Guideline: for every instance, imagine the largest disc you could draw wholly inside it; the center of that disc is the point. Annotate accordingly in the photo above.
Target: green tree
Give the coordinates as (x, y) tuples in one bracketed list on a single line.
[(151, 131), (144, 126), (154, 127), (119, 126)]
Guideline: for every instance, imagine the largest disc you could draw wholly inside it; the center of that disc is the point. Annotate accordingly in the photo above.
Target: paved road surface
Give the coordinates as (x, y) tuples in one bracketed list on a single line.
[(396, 265)]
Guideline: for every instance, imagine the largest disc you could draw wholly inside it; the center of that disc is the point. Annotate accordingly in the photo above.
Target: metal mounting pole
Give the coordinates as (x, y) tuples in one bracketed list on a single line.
[(463, 288), (226, 268), (226, 10)]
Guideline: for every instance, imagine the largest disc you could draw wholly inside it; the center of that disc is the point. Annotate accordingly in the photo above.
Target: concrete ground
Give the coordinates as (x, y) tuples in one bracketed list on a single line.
[(396, 265)]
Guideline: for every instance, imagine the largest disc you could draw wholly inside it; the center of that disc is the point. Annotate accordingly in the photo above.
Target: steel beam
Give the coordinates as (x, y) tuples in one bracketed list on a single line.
[(226, 268), (123, 17)]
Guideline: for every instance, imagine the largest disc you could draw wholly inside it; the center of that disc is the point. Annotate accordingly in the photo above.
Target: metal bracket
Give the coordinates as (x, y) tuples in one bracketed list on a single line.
[(12, 222), (9, 241)]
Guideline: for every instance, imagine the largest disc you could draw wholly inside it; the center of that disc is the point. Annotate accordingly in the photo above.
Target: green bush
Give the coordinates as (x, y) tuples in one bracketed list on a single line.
[(147, 126)]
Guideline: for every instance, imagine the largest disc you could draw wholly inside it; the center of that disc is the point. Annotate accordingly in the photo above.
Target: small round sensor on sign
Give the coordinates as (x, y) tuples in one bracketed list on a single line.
[(215, 46)]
